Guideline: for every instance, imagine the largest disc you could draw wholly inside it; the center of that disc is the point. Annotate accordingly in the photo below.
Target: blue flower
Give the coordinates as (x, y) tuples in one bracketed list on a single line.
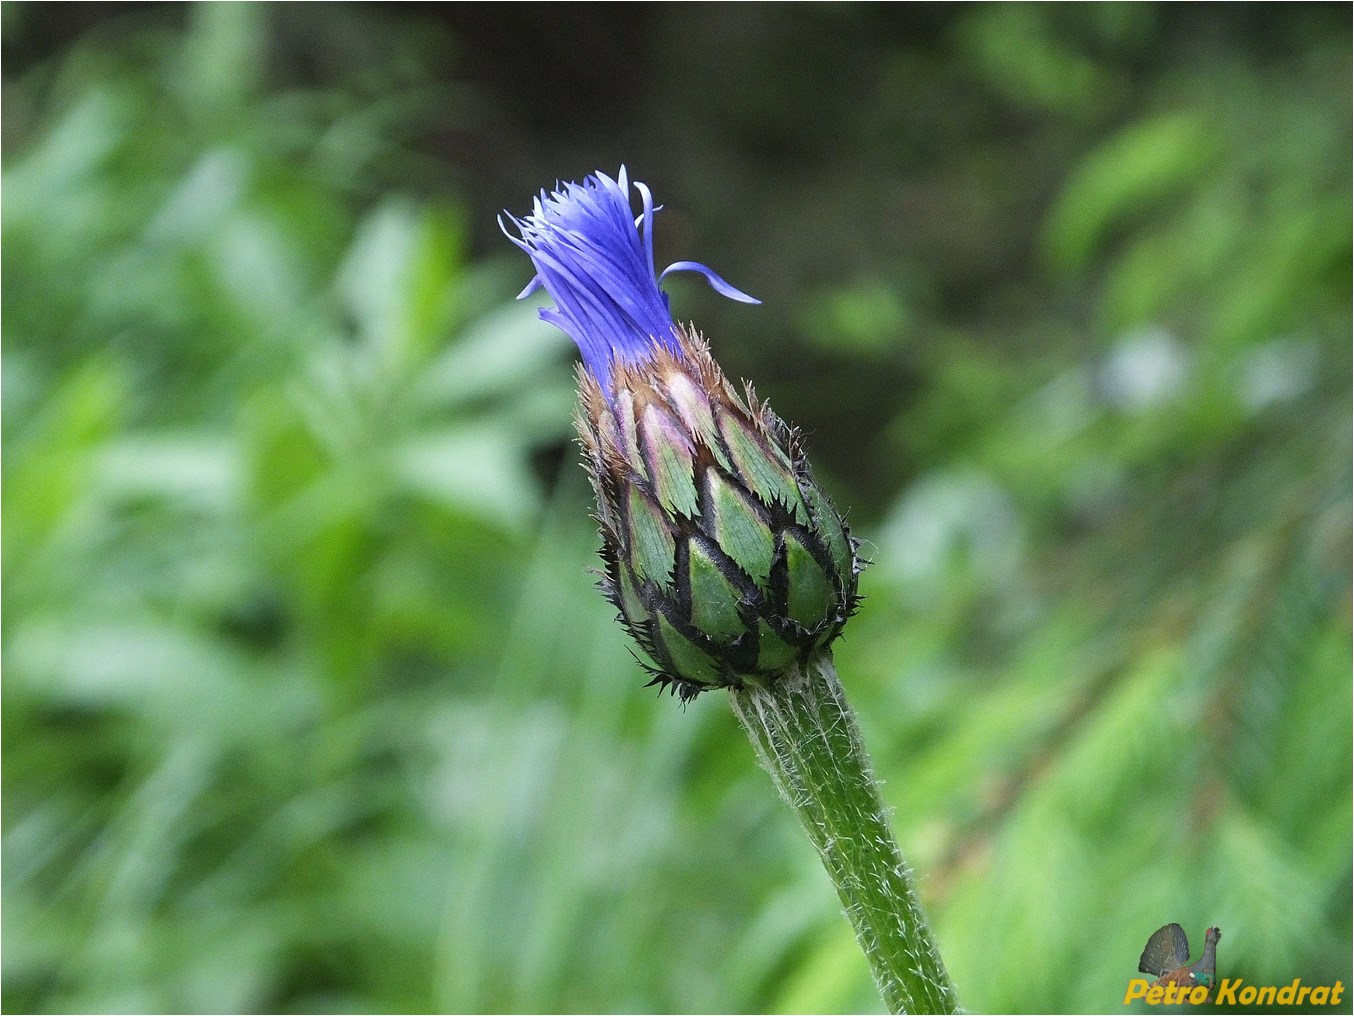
[(595, 259)]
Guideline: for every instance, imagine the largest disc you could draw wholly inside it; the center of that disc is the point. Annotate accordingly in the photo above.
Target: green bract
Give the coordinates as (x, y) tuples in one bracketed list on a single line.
[(727, 562)]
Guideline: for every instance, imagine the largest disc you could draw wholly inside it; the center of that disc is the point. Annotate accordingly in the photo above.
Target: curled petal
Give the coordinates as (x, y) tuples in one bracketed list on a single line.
[(716, 282)]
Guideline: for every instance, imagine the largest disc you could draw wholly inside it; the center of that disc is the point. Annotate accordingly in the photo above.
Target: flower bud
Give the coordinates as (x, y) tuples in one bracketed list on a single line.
[(726, 561)]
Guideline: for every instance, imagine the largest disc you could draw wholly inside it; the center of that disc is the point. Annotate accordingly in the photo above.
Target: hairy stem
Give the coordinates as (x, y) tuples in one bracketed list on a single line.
[(806, 738)]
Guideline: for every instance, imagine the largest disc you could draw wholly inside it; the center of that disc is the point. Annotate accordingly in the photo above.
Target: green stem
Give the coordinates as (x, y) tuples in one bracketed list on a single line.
[(807, 739)]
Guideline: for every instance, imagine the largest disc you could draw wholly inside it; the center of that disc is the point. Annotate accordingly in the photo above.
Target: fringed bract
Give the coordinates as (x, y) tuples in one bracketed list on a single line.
[(726, 561)]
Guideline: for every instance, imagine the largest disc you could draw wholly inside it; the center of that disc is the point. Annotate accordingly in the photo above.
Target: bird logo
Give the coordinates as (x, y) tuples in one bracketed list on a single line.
[(1166, 958)]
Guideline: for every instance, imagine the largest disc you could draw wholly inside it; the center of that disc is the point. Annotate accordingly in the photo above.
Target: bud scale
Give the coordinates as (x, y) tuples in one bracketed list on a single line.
[(726, 561)]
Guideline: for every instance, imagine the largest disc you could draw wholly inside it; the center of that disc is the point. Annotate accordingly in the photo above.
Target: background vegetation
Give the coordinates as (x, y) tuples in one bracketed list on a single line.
[(309, 704)]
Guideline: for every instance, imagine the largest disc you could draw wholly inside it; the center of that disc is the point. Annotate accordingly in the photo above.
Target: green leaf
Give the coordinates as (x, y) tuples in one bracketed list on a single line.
[(740, 531), (761, 466), (773, 653), (830, 527), (1137, 169), (651, 546), (811, 594), (690, 661), (714, 600)]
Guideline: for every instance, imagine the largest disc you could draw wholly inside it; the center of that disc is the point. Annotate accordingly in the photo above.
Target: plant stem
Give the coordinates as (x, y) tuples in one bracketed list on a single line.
[(807, 739)]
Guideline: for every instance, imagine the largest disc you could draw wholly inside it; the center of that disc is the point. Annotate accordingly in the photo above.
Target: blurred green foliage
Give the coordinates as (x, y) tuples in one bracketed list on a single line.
[(308, 702)]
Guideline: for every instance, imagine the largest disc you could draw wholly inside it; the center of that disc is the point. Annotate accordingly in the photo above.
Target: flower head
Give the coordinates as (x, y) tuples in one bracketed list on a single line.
[(728, 564), (595, 259)]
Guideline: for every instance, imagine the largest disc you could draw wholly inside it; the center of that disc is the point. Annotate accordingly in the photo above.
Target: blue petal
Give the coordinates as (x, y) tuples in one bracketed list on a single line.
[(594, 257), (716, 282)]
